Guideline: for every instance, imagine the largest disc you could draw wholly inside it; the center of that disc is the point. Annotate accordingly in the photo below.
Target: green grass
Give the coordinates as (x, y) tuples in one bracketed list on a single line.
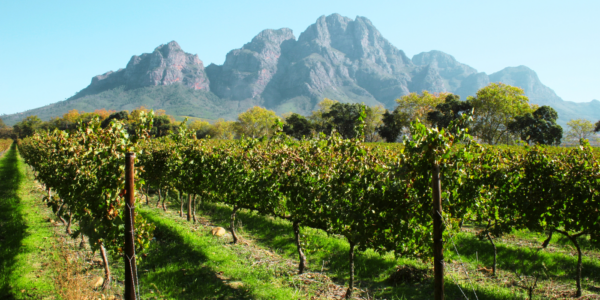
[(330, 254), (518, 261), (186, 262), (22, 233)]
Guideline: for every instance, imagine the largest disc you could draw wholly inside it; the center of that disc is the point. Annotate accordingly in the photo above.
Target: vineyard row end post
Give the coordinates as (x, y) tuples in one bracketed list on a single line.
[(438, 251), (129, 257)]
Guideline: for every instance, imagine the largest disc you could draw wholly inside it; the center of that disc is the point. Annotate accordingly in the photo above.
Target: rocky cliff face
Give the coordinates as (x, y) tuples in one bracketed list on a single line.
[(166, 65), (247, 71), (452, 72), (336, 57)]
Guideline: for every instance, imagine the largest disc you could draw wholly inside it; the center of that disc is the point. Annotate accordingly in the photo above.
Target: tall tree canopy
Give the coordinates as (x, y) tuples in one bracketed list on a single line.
[(223, 130), (393, 124), (318, 117), (450, 110), (27, 127), (298, 126), (417, 106), (579, 129), (344, 118), (121, 115), (373, 120), (256, 122), (538, 127), (496, 105), (201, 128)]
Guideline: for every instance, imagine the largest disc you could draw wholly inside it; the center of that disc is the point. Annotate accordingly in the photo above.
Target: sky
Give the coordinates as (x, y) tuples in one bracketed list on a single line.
[(49, 50)]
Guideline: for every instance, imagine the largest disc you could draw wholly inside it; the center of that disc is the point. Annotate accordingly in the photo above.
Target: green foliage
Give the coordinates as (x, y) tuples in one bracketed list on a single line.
[(161, 126), (256, 122), (393, 124), (344, 118), (121, 115), (27, 127), (449, 111), (538, 127), (579, 129), (86, 170), (416, 106), (298, 127), (495, 106)]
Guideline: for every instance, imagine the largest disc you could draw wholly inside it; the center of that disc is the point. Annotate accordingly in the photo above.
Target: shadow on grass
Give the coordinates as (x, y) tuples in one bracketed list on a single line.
[(523, 260), (331, 253), (424, 291), (322, 251), (584, 242), (13, 227), (175, 270)]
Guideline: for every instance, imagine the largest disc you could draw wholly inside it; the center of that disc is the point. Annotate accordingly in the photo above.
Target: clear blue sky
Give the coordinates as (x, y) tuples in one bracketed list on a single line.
[(51, 49)]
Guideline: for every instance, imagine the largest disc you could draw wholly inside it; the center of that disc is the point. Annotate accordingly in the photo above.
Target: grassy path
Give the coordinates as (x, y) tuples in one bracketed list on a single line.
[(186, 262), (189, 247), (23, 232)]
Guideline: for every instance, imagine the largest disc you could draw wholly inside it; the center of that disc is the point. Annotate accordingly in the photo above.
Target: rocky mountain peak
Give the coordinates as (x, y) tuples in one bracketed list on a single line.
[(170, 49), (166, 65), (247, 71), (452, 72), (526, 79), (439, 58), (356, 39), (269, 38)]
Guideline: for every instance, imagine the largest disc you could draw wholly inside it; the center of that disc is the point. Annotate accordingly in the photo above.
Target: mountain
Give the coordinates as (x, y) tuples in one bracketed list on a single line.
[(336, 57)]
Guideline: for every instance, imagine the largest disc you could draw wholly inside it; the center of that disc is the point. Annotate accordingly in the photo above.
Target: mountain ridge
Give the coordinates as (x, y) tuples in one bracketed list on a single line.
[(336, 57)]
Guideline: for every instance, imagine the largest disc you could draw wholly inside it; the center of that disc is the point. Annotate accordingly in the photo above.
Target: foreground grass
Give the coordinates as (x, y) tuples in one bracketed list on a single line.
[(186, 262), (520, 262), (23, 232), (329, 254)]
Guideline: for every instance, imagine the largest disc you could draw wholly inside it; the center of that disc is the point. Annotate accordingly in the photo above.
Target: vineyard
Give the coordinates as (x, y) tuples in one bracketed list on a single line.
[(379, 199)]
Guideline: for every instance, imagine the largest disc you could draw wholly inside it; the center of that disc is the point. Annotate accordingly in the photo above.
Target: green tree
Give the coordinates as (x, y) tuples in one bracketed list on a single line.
[(597, 128), (298, 126), (318, 118), (579, 129), (496, 105), (223, 130), (201, 128), (393, 124), (373, 120), (344, 118), (417, 106), (450, 110), (538, 127), (161, 126), (121, 115), (256, 122), (27, 127)]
